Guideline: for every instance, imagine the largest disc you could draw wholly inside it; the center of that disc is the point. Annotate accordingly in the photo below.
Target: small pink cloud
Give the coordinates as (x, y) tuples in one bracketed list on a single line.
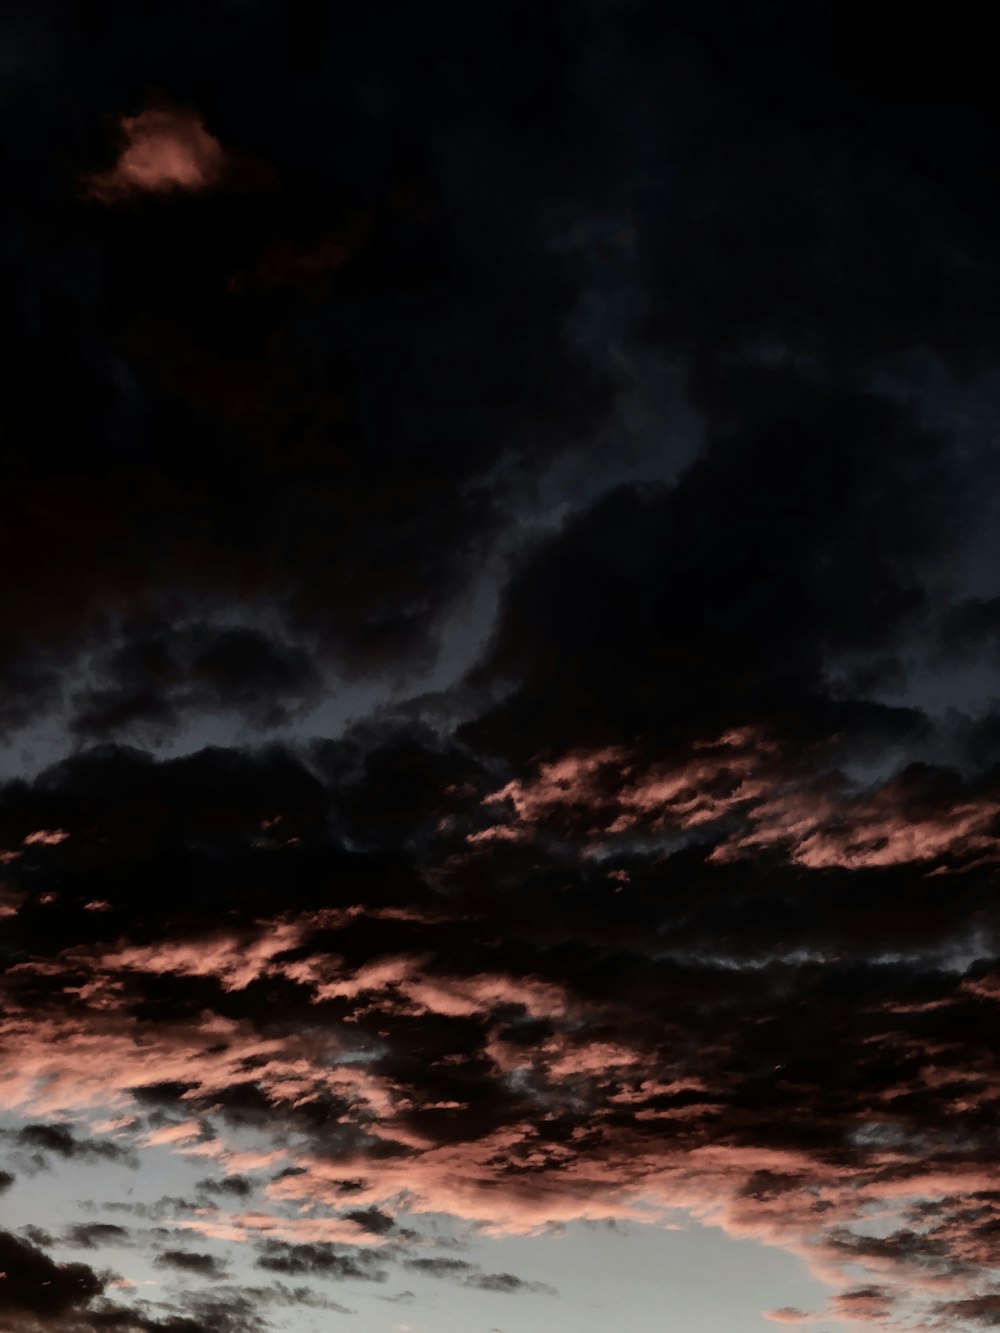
[(165, 150), (182, 1133), (115, 1123), (44, 837)]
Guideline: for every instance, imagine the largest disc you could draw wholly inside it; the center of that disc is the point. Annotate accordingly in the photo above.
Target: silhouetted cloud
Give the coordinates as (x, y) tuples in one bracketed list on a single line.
[(190, 1261), (33, 1285)]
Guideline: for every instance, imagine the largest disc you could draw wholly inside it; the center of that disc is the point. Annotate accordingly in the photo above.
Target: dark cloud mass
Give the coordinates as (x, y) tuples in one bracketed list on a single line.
[(34, 1286), (499, 657)]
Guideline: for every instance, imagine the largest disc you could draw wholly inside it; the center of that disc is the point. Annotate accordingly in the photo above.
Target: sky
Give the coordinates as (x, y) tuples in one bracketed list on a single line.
[(499, 669)]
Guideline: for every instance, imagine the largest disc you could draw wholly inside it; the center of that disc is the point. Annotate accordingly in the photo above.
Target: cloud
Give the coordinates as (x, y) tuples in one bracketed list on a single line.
[(165, 149), (92, 1235), (319, 1260), (440, 1266), (46, 1141), (978, 1310), (161, 674), (743, 776), (298, 1297), (509, 614), (506, 1283), (380, 1051), (34, 1285), (862, 1305), (355, 493), (373, 1220), (239, 1186), (190, 1261)]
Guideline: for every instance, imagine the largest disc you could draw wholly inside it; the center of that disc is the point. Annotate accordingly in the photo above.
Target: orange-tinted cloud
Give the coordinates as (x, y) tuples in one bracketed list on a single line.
[(431, 1053), (165, 150), (650, 1141), (745, 779)]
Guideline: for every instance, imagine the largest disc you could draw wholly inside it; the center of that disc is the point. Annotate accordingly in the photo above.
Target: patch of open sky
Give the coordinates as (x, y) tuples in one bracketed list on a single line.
[(642, 1277)]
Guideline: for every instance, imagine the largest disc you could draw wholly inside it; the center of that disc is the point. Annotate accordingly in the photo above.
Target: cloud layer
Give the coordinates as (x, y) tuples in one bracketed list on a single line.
[(593, 414)]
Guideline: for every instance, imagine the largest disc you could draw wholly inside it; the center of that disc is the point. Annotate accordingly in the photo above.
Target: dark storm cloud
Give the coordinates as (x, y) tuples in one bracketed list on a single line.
[(7, 1178), (797, 537), (160, 673), (303, 402)]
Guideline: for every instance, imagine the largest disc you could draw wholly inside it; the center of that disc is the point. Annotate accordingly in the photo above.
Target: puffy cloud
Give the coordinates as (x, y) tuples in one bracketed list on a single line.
[(165, 149)]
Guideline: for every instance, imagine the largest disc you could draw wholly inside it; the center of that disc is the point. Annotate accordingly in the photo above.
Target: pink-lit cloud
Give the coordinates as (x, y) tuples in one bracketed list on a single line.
[(747, 792), (508, 1180), (165, 149), (46, 838), (608, 1110)]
